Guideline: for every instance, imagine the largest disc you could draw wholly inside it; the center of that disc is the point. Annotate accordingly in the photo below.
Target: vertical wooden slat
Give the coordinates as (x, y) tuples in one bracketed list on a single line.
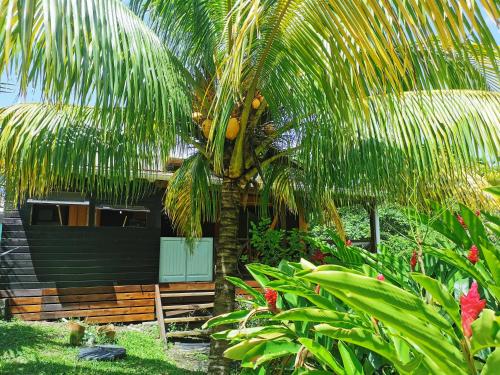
[(159, 313), (83, 215), (73, 216)]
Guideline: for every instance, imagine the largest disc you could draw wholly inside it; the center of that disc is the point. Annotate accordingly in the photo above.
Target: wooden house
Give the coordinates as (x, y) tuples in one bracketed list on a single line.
[(72, 256)]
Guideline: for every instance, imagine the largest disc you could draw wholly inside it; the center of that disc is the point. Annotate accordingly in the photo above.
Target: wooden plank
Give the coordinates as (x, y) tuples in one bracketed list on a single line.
[(177, 312), (189, 307), (76, 290), (121, 318), (187, 319), (80, 306), (159, 313), (192, 294), (80, 298), (85, 313)]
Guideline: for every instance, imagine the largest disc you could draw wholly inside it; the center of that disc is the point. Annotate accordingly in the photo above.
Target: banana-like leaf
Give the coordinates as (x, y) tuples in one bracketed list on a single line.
[(351, 363), (259, 298), (232, 317), (310, 295), (485, 331), (398, 309), (311, 314), (265, 332), (322, 355), (492, 364), (267, 351), (361, 337), (440, 294)]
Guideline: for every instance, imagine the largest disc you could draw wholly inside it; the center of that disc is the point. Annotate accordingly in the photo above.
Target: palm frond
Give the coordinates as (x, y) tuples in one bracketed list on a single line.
[(433, 140), (192, 197), (47, 147), (95, 52)]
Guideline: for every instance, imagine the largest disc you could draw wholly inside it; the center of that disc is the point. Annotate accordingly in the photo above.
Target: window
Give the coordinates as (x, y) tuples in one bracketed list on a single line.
[(118, 216), (59, 213)]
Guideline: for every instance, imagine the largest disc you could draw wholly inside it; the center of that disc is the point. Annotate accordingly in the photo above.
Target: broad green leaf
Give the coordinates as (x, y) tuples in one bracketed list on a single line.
[(267, 351), (352, 365), (361, 337), (322, 355), (318, 300), (264, 332), (440, 294), (398, 309), (259, 298), (233, 317), (492, 364), (311, 314), (239, 351), (485, 331)]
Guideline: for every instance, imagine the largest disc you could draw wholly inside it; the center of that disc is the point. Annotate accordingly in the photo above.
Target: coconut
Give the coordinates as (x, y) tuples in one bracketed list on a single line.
[(233, 128), (197, 116), (256, 103), (206, 126)]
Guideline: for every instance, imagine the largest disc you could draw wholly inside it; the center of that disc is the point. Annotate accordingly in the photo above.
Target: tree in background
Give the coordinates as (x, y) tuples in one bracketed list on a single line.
[(300, 99)]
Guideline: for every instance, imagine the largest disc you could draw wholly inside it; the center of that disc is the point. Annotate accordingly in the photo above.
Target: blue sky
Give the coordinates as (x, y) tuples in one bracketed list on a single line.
[(34, 94)]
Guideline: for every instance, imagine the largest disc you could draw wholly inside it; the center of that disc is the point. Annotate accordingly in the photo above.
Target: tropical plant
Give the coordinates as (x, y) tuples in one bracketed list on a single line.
[(300, 98), (334, 319)]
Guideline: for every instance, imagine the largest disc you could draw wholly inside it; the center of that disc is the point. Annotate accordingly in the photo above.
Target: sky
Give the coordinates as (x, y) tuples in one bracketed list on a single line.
[(34, 94)]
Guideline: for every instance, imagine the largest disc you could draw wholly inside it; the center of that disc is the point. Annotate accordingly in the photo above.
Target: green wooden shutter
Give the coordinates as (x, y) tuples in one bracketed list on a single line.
[(178, 263), (199, 261)]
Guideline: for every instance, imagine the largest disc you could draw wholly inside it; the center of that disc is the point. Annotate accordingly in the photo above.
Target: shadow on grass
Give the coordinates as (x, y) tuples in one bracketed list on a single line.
[(16, 337), (130, 365), (30, 349)]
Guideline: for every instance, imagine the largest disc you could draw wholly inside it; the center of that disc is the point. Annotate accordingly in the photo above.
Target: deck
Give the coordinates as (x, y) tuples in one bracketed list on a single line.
[(178, 302)]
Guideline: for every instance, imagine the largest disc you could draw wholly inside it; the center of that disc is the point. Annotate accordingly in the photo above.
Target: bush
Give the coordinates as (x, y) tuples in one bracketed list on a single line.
[(366, 313)]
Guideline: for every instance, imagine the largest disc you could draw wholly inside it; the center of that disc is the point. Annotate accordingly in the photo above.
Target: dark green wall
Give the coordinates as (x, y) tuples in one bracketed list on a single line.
[(52, 256)]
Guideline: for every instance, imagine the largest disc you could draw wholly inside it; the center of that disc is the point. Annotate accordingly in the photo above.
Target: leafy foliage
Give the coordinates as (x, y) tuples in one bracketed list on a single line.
[(340, 318)]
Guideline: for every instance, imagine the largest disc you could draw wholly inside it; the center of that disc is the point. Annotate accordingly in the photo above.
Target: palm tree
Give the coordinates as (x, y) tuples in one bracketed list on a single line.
[(293, 97)]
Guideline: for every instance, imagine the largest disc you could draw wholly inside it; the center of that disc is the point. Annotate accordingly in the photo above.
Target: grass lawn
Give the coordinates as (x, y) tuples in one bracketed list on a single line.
[(42, 348)]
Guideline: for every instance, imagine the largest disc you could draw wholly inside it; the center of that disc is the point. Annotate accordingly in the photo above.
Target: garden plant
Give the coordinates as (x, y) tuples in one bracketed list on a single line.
[(363, 313)]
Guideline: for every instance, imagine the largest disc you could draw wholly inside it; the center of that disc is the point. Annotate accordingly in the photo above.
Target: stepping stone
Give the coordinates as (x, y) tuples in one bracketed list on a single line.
[(102, 353)]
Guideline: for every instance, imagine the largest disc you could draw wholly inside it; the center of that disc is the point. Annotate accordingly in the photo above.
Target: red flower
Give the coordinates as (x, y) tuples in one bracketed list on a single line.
[(348, 243), (471, 305), (380, 277), (460, 219), (271, 296), (318, 256), (478, 213), (473, 254), (413, 260)]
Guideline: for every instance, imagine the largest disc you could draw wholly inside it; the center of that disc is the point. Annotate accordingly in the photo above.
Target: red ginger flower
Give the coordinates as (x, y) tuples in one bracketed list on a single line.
[(380, 277), (473, 254), (413, 260), (471, 305), (348, 243), (478, 213), (318, 256), (271, 296), (461, 220)]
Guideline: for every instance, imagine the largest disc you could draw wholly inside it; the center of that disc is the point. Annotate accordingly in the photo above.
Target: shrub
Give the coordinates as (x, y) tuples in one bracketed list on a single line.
[(364, 313)]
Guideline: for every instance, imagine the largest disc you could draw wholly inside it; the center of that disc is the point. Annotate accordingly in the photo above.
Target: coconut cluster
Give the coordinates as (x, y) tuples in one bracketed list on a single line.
[(233, 125)]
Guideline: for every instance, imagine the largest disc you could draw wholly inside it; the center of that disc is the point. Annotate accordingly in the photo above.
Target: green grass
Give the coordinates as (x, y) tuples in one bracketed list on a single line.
[(42, 348)]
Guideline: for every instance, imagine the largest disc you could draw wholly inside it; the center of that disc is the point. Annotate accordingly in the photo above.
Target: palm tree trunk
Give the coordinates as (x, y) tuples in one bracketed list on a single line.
[(225, 265)]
